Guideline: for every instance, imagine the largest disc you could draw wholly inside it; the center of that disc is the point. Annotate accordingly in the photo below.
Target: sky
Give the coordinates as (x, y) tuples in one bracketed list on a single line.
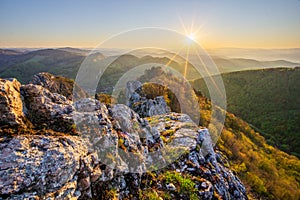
[(214, 23)]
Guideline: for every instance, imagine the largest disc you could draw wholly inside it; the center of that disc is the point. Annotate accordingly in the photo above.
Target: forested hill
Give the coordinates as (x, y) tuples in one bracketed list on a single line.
[(267, 172), (269, 100)]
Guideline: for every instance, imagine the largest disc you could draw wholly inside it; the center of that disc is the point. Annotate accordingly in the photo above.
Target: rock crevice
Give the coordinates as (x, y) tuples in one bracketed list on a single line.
[(110, 152)]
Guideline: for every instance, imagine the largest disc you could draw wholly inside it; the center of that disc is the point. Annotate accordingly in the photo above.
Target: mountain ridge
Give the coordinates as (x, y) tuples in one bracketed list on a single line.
[(66, 62)]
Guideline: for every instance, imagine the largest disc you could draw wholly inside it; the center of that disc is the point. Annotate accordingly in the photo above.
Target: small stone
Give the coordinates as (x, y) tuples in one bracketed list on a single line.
[(84, 183), (171, 187), (236, 193), (96, 174), (204, 185), (159, 186), (190, 169), (102, 122)]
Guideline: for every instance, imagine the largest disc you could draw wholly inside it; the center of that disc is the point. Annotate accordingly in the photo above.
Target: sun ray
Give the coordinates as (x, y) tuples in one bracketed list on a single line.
[(173, 57), (190, 31), (209, 75), (186, 61), (183, 26), (192, 27)]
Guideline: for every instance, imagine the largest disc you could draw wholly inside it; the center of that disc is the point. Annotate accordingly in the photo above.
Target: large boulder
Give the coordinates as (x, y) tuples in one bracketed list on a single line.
[(58, 84), (131, 91), (38, 166), (11, 108), (48, 109), (143, 106)]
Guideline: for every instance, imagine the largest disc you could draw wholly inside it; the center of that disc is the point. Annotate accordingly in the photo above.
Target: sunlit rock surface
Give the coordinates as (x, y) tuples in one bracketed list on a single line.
[(143, 106), (11, 108), (89, 150), (58, 84), (46, 108)]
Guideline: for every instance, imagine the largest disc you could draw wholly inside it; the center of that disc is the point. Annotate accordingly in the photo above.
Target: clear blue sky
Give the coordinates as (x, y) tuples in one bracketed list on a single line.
[(79, 23)]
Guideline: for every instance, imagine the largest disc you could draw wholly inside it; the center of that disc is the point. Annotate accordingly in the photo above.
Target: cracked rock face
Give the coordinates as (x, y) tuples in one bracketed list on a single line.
[(11, 108), (57, 84), (142, 106), (46, 108), (111, 154), (39, 165)]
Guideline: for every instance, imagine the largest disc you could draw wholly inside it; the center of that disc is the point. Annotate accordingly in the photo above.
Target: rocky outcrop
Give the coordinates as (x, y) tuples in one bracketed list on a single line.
[(46, 109), (112, 154), (143, 106), (132, 88), (11, 108), (46, 80), (58, 84), (65, 167), (40, 166), (199, 160)]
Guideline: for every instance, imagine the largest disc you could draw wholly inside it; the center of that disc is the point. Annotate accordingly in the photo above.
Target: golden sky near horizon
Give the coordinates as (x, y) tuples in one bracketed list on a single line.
[(214, 24)]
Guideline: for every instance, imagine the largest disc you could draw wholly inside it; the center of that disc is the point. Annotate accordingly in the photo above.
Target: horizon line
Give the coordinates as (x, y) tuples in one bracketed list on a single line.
[(76, 47)]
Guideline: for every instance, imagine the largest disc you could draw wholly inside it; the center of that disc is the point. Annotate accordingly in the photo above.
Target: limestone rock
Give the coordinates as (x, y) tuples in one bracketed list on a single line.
[(131, 91), (46, 108), (171, 187), (58, 84), (11, 108), (143, 106), (41, 164), (67, 167), (115, 148)]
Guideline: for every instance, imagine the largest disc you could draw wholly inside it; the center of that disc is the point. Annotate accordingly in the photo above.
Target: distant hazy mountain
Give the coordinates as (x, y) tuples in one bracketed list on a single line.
[(251, 94), (76, 50), (292, 55), (239, 64), (9, 52), (66, 62), (23, 66)]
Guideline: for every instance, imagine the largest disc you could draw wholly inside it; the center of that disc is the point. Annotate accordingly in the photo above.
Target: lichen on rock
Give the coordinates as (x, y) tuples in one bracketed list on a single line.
[(11, 108), (112, 155)]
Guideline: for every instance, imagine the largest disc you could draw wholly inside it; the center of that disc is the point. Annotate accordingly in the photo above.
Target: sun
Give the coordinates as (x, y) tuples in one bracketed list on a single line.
[(190, 32), (191, 36)]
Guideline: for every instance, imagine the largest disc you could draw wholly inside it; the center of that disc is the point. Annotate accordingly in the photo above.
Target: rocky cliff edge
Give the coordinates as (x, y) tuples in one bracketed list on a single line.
[(53, 148)]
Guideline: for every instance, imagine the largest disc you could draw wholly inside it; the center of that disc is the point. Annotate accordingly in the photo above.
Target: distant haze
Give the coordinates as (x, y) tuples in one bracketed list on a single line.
[(292, 55)]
